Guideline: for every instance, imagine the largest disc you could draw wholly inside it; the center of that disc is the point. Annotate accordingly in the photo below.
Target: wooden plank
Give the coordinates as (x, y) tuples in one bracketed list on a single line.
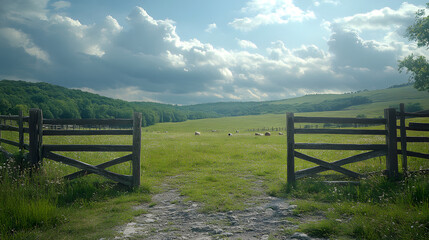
[(337, 146), (101, 166), (403, 137), (9, 142), (88, 121), (21, 131), (87, 167), (327, 165), (10, 117), (415, 129), (419, 126), (137, 138), (340, 131), (417, 154), (88, 148), (352, 159), (35, 123), (413, 114), (9, 128), (392, 144), (413, 139), (86, 132), (339, 120), (40, 135), (290, 148)]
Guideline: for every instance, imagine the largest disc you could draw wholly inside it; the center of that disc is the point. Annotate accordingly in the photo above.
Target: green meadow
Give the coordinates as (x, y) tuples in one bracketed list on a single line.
[(223, 173)]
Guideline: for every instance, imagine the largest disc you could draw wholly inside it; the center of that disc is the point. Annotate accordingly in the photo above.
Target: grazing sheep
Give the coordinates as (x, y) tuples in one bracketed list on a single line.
[(259, 134), (237, 131), (230, 134), (197, 133), (280, 133), (267, 134)]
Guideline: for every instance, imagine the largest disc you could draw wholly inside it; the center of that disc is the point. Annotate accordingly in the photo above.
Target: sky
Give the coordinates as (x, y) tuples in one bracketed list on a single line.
[(192, 51)]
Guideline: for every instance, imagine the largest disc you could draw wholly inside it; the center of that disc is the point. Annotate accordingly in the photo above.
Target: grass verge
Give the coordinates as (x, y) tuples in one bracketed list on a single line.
[(375, 209), (35, 205)]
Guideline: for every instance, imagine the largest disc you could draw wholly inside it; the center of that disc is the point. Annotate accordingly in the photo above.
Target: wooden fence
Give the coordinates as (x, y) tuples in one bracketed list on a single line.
[(375, 150), (38, 150), (388, 149), (404, 139)]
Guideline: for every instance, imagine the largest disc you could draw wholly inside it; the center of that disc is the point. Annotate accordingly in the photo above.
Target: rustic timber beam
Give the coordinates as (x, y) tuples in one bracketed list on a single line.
[(328, 165)]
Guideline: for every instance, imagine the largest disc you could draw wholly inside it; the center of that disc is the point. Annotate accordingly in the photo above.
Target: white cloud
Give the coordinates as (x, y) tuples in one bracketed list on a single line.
[(145, 58), (18, 39), (211, 27), (380, 19), (24, 11), (61, 4), (246, 44), (267, 12), (333, 2)]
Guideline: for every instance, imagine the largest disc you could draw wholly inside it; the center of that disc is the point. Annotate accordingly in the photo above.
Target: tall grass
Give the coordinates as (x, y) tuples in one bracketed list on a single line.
[(222, 173), (34, 200), (27, 201), (377, 208)]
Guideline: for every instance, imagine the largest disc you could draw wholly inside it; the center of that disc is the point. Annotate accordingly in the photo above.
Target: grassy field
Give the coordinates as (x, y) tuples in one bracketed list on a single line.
[(219, 171), (381, 99)]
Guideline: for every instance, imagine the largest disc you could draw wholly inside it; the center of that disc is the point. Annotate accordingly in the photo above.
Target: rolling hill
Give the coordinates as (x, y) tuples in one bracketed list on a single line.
[(370, 102), (60, 102)]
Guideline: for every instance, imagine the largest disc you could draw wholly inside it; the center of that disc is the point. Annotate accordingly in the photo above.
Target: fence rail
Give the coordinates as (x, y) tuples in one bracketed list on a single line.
[(19, 120), (404, 139), (388, 149), (375, 150), (38, 150)]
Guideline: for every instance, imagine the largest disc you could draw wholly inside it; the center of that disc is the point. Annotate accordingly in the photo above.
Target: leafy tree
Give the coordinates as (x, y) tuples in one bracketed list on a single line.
[(4, 106), (418, 66), (20, 107), (413, 107)]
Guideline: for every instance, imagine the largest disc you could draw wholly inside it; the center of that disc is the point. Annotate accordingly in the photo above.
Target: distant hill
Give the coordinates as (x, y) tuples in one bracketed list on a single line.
[(367, 101), (60, 102)]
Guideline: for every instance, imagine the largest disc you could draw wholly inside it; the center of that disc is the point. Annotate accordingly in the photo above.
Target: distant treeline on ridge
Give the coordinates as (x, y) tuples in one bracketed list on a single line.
[(59, 102)]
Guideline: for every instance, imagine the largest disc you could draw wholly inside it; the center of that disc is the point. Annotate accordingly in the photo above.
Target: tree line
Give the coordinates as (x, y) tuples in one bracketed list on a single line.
[(61, 103)]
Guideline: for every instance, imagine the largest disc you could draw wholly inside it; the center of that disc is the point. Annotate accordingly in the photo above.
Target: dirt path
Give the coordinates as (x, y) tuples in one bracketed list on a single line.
[(171, 217)]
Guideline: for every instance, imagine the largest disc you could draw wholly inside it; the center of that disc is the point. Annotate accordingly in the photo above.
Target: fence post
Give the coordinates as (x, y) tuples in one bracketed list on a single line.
[(290, 148), (35, 125), (403, 138), (392, 143), (137, 133), (21, 131)]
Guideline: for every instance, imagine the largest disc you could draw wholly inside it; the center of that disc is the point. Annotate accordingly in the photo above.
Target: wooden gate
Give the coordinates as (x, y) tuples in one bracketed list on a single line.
[(39, 128), (388, 149), (404, 139)]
